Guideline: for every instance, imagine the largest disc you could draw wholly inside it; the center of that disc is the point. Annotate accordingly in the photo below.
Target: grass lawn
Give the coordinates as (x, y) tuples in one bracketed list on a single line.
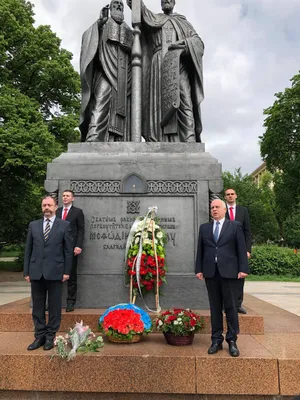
[(9, 266), (274, 278), (5, 253)]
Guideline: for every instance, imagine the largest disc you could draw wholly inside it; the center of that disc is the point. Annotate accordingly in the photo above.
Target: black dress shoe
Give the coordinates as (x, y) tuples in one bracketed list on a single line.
[(233, 349), (36, 344), (241, 310), (70, 307), (48, 345), (214, 348)]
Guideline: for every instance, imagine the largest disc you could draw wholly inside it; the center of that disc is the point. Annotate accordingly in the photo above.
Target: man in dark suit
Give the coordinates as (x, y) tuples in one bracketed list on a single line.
[(76, 218), (222, 261), (47, 263), (239, 213)]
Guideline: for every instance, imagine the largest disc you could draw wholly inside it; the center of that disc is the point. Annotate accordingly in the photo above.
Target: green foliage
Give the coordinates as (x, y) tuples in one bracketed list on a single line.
[(260, 202), (280, 147), (63, 128), (273, 278), (291, 229), (20, 259), (26, 146), (274, 260), (33, 62), (39, 110), (10, 266)]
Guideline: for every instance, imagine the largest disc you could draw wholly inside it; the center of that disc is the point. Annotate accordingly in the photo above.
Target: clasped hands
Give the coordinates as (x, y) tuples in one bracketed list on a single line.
[(241, 275), (65, 278)]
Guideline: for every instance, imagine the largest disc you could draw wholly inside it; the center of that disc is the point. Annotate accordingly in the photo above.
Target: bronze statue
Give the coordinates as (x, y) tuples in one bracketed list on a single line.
[(105, 71), (172, 76)]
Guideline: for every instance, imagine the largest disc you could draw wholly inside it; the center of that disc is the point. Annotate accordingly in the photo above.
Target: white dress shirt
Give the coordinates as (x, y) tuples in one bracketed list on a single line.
[(51, 220)]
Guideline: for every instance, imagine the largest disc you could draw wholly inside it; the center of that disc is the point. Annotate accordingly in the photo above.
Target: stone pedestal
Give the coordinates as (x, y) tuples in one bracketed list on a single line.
[(115, 182)]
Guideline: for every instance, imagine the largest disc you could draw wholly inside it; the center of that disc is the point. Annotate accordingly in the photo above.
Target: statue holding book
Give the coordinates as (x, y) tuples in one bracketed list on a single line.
[(105, 73)]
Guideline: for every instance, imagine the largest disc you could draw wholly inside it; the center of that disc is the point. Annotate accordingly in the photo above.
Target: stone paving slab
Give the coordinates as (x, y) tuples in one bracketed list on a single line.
[(151, 366), (285, 295), (16, 317)]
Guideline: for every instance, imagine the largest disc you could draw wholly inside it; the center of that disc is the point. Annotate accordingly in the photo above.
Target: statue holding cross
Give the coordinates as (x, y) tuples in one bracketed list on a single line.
[(105, 72), (172, 74)]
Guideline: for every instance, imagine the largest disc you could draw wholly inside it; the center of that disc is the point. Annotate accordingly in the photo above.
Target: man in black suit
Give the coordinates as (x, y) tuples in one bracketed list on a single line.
[(76, 218), (47, 263), (239, 213), (222, 261)]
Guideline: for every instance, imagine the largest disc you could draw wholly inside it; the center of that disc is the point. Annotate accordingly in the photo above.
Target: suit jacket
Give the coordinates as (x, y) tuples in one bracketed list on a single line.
[(230, 251), (76, 218), (242, 215), (51, 258)]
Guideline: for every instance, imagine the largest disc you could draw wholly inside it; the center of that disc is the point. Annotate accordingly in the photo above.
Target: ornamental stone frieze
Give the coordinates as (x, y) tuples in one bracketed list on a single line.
[(153, 187)]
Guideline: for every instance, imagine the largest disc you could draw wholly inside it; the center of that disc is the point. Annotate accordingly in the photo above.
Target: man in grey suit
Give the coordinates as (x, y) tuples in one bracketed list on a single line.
[(47, 263), (222, 261)]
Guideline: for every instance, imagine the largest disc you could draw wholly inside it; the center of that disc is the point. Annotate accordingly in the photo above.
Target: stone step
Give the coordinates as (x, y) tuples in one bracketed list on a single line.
[(150, 366), (16, 317)]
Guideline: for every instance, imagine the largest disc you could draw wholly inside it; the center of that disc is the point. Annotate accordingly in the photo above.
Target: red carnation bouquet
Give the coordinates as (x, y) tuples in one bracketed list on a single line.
[(124, 322)]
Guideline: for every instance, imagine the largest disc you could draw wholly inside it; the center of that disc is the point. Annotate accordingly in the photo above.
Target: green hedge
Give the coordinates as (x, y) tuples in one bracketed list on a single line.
[(274, 260)]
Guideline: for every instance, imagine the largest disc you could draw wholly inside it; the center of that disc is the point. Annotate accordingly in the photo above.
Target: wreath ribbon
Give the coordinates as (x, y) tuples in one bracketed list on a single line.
[(152, 211)]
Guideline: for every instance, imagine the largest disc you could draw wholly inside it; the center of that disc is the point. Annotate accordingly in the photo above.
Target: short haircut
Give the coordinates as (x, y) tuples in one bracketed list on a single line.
[(51, 197), (230, 188), (70, 191)]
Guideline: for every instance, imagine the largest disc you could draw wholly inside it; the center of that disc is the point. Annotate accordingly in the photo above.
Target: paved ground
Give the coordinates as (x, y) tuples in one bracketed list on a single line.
[(12, 291), (285, 295)]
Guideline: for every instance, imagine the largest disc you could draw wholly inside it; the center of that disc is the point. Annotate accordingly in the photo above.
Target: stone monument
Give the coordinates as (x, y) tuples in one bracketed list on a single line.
[(117, 180)]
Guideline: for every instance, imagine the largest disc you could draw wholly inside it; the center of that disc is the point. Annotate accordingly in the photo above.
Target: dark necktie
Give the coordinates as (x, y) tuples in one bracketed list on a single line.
[(216, 232), (47, 229)]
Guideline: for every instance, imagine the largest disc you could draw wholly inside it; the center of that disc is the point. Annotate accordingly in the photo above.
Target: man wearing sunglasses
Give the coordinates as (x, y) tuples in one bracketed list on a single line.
[(239, 213)]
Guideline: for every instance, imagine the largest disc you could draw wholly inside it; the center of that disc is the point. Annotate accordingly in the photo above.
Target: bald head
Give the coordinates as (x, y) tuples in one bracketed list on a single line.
[(218, 209)]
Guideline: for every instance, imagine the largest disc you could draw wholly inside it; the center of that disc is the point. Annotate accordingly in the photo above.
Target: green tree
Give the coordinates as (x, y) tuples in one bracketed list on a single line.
[(26, 146), (280, 147), (39, 110), (260, 202), (291, 230)]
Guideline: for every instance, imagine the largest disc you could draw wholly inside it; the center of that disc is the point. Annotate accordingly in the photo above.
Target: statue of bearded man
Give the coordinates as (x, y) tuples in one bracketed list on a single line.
[(172, 76), (105, 72)]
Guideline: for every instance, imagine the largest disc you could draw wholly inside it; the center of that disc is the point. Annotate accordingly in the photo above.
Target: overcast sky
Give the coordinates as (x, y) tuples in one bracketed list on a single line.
[(251, 52)]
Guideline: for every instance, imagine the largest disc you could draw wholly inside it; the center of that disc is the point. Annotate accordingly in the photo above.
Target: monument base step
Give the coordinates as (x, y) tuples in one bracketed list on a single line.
[(16, 317), (150, 366)]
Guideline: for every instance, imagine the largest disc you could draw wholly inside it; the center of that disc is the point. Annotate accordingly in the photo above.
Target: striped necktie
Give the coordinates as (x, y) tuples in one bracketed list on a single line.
[(47, 229)]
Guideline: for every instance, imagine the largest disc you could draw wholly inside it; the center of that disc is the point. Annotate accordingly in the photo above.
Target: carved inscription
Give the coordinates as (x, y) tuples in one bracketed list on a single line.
[(112, 233)]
